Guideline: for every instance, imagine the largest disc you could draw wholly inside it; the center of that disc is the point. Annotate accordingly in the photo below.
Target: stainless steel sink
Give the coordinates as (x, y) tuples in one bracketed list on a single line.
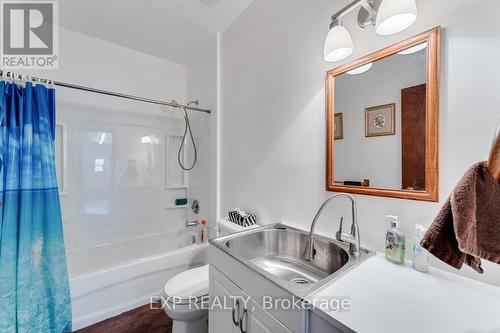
[(276, 251)]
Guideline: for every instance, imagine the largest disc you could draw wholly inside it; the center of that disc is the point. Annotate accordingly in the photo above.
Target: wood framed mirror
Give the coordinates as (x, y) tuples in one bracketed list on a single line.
[(382, 118)]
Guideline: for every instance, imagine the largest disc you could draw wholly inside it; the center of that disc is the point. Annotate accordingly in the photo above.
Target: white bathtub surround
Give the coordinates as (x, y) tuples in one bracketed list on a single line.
[(115, 288), (122, 242), (273, 118), (387, 297)]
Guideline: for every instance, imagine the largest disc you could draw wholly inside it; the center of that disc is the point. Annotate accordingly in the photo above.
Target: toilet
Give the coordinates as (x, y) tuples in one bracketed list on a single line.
[(185, 292)]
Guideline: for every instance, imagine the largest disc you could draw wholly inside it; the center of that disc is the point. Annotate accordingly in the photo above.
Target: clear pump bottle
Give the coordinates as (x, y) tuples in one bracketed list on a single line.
[(394, 242)]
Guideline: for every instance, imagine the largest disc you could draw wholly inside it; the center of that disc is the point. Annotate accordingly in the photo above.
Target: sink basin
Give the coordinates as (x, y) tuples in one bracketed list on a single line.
[(276, 252)]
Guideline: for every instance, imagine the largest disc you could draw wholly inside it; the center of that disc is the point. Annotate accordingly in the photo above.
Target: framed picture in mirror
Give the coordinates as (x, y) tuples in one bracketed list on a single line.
[(338, 126), (380, 120), (393, 145)]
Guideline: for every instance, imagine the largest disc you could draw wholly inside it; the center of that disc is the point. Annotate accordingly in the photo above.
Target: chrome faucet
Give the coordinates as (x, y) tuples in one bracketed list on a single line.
[(191, 223), (352, 239)]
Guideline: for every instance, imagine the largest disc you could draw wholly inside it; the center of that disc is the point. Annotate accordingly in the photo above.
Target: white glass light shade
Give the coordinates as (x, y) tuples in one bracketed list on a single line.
[(338, 44), (395, 16), (413, 49), (360, 69)]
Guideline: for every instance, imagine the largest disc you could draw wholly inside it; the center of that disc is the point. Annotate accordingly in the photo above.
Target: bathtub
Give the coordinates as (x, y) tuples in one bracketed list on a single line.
[(103, 286)]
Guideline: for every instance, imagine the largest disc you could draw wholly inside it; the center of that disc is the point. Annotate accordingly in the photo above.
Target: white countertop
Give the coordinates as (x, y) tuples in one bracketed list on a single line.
[(392, 298)]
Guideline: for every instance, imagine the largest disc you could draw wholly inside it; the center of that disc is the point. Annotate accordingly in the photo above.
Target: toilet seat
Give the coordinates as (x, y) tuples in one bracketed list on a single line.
[(188, 285)]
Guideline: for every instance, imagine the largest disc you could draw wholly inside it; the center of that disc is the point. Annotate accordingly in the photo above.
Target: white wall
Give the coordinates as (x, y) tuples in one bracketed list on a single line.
[(273, 121), (201, 71), (89, 61), (375, 158)]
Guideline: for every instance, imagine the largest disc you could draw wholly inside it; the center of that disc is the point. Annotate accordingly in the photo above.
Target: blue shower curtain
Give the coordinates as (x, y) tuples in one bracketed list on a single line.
[(34, 289)]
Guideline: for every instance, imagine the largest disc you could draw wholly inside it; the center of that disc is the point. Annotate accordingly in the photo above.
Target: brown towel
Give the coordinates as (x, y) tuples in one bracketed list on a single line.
[(468, 226)]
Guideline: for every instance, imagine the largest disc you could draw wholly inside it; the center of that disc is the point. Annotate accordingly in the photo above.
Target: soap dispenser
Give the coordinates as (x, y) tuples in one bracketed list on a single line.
[(394, 242)]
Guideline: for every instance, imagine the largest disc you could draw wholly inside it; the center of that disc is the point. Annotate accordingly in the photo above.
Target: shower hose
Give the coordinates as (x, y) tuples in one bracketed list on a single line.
[(186, 129)]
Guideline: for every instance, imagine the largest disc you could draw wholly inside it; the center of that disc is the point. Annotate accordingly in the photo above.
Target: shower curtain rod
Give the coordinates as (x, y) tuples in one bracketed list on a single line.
[(106, 92)]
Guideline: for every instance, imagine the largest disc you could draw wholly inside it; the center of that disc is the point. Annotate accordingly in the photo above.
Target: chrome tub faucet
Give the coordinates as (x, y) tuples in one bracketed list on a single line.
[(191, 223)]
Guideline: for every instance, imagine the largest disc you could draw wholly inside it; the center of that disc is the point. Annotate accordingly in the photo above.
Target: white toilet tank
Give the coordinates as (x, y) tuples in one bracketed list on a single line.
[(226, 227)]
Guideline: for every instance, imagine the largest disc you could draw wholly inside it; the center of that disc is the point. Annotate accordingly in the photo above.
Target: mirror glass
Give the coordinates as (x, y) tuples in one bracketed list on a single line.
[(382, 121), (379, 122)]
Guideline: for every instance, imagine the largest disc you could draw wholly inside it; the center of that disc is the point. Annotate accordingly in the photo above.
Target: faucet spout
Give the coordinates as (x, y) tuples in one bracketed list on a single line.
[(352, 239)]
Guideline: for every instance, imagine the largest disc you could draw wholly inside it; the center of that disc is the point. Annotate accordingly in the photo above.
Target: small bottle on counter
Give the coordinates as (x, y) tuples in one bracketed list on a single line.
[(420, 259), (394, 242)]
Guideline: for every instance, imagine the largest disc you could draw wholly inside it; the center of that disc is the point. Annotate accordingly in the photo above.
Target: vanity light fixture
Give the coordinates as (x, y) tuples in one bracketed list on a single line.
[(413, 49), (360, 69), (338, 42), (388, 16), (395, 16)]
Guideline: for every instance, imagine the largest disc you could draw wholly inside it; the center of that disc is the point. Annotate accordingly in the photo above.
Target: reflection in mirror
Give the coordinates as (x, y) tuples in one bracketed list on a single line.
[(382, 121), (379, 125)]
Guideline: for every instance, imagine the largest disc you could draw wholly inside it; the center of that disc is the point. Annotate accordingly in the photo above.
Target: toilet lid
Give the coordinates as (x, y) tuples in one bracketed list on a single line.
[(191, 283)]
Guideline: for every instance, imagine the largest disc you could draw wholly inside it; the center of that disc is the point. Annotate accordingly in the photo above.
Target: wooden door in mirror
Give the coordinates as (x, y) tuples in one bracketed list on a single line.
[(382, 118)]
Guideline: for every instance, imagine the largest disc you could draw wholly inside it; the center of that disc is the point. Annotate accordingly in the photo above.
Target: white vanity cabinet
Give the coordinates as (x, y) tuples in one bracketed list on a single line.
[(237, 311), (226, 318), (260, 321), (230, 280)]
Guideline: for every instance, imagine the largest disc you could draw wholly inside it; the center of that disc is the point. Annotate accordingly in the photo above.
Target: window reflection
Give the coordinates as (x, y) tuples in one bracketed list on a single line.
[(99, 165), (96, 156), (96, 208), (153, 139), (118, 179)]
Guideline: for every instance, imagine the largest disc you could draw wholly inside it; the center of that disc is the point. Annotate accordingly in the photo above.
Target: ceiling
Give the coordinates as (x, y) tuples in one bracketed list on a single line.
[(169, 29)]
